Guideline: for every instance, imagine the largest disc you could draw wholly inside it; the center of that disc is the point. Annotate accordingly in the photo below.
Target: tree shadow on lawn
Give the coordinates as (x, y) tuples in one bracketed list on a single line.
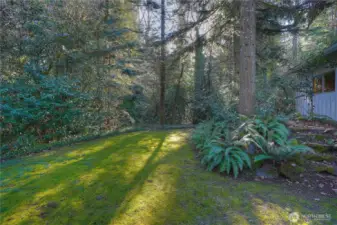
[(148, 178), (75, 194)]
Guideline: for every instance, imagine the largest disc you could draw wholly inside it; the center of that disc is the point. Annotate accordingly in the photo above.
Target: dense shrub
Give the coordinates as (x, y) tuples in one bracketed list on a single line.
[(227, 149), (271, 137), (39, 109), (221, 148)]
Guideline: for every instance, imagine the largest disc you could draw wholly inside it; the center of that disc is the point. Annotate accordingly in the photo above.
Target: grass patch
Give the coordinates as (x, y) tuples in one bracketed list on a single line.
[(138, 178)]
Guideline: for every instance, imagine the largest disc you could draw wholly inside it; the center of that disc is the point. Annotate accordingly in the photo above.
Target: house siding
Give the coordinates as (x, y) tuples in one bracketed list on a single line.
[(324, 103)]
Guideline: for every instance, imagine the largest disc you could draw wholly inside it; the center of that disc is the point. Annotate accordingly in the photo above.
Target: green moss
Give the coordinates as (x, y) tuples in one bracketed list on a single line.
[(319, 137), (319, 147), (298, 159), (138, 178), (291, 170), (298, 116), (321, 119), (319, 158), (327, 169)]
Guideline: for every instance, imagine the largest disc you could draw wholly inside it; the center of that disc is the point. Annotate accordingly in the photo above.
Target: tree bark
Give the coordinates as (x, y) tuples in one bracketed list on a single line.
[(236, 42), (162, 66), (295, 46), (295, 40), (176, 96), (198, 78), (247, 58)]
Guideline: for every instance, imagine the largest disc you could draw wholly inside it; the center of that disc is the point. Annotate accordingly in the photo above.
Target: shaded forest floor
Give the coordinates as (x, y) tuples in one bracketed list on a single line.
[(142, 178)]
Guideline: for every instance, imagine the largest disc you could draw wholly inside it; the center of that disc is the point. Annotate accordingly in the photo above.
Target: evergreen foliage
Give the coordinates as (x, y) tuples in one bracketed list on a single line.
[(38, 109)]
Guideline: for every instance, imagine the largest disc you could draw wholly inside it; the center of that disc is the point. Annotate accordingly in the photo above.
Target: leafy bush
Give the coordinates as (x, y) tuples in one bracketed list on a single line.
[(271, 136), (205, 133), (281, 152), (274, 95), (226, 148), (271, 130), (230, 158), (39, 109), (219, 148)]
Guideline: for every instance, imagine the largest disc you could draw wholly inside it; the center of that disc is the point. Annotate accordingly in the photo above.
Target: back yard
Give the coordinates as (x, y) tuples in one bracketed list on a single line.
[(144, 178), (232, 106)]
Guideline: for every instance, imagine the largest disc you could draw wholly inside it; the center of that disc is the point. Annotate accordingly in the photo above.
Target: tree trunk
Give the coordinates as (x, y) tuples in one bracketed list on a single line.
[(176, 96), (247, 58), (162, 66), (295, 46), (198, 79), (236, 43), (295, 40)]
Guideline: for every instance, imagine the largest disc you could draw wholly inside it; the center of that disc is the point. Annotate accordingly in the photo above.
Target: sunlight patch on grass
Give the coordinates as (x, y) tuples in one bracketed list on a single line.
[(176, 137), (149, 202), (98, 145), (49, 192), (174, 140), (86, 151), (150, 143), (269, 213), (237, 218), (273, 214), (23, 212), (89, 178), (33, 206), (43, 169), (77, 205)]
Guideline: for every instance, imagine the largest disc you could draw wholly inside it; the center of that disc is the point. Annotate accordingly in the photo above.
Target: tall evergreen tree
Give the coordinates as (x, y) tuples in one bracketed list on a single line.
[(247, 57), (162, 64)]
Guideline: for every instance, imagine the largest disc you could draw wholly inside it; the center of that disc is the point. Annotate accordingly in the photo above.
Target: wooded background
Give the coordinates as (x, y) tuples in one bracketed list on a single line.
[(79, 67)]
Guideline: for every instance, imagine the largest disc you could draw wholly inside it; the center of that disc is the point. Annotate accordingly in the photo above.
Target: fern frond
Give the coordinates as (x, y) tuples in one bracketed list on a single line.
[(262, 157), (238, 160), (235, 168), (245, 158)]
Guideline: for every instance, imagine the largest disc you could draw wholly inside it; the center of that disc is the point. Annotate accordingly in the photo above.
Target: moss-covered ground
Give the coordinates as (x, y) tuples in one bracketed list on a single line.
[(141, 178)]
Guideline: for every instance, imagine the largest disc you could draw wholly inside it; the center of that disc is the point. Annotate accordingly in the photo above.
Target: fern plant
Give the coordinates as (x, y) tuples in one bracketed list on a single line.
[(272, 130), (282, 152), (270, 136), (223, 148), (203, 134), (219, 148), (230, 158), (206, 132)]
